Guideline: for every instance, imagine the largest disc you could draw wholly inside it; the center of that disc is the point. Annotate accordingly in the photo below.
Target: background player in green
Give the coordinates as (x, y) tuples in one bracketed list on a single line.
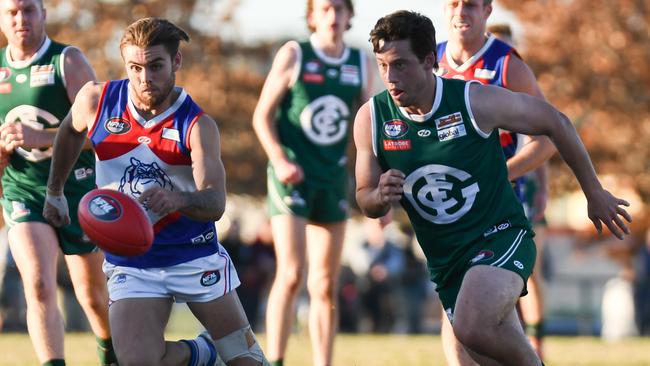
[(302, 120), (432, 145), (39, 79)]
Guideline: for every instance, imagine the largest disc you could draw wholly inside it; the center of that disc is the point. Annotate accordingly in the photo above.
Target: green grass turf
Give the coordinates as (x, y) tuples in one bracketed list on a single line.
[(365, 350)]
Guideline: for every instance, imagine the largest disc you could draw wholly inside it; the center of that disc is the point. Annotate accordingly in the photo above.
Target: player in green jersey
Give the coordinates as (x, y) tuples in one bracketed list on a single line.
[(432, 145), (303, 121), (39, 79)]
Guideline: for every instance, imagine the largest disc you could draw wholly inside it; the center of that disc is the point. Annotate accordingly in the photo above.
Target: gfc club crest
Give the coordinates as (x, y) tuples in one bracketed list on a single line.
[(439, 193), (325, 120)]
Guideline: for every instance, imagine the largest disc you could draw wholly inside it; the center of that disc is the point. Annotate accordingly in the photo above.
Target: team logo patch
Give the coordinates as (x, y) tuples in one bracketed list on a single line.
[(395, 129), (117, 125), (105, 208), (440, 194), (5, 74), (41, 75), (325, 120), (121, 278), (209, 278), (396, 145), (482, 256)]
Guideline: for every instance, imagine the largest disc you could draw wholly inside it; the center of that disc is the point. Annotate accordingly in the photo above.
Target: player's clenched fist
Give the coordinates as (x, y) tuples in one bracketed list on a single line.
[(390, 186)]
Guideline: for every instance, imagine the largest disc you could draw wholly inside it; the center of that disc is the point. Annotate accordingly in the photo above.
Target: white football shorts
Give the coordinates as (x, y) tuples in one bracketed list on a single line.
[(199, 280)]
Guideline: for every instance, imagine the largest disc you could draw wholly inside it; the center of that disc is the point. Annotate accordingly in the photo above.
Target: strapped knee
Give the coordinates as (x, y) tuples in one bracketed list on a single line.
[(240, 343)]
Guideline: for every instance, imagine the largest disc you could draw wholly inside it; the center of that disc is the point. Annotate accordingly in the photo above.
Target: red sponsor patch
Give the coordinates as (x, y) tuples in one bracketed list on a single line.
[(5, 88), (313, 78), (450, 120), (397, 144)]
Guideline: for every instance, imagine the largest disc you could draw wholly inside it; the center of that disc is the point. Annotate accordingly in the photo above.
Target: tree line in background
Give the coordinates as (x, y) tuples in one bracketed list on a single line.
[(590, 57)]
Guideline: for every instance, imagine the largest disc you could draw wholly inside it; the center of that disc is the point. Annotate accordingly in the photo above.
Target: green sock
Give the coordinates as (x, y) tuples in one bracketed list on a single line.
[(105, 351), (55, 362), (279, 362)]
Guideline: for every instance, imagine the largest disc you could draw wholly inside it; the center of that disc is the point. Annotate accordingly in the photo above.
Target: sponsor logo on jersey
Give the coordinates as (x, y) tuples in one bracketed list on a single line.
[(396, 145), (313, 78), (83, 173), (105, 208), (518, 264), (395, 129), (481, 256), (5, 74), (332, 73), (21, 78), (424, 133), (5, 88), (350, 75), (440, 194), (484, 74), (171, 134), (206, 237), (210, 278), (312, 66), (144, 140), (41, 75), (496, 228), (117, 125), (451, 133), (449, 120), (325, 120)]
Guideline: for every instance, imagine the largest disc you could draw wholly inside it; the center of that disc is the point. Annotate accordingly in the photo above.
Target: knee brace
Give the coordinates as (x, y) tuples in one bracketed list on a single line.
[(240, 343)]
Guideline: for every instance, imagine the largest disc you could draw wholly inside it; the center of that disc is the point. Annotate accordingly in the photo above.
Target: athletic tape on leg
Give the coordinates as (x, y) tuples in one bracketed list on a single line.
[(235, 345)]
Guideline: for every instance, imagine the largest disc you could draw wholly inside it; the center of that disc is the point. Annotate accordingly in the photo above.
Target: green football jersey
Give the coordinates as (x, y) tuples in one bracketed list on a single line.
[(456, 190), (315, 115), (34, 93)]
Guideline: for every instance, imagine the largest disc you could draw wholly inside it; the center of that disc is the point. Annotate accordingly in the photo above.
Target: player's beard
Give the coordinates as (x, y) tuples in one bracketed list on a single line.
[(160, 93)]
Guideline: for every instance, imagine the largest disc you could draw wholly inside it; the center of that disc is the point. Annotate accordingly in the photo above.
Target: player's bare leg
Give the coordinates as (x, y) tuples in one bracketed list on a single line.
[(35, 249), (455, 353), (485, 321), (138, 327), (289, 243), (324, 246), (90, 288)]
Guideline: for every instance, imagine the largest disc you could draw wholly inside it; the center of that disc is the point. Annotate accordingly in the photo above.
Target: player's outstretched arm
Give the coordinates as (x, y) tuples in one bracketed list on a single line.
[(376, 191), (208, 202), (495, 107), (68, 143), (280, 79)]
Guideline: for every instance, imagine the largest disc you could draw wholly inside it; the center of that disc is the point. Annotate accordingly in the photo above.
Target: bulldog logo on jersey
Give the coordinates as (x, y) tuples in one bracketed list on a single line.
[(140, 176), (325, 120), (440, 194)]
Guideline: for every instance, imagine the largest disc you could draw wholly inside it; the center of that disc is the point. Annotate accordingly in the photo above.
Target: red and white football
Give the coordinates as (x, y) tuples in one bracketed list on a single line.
[(115, 222)]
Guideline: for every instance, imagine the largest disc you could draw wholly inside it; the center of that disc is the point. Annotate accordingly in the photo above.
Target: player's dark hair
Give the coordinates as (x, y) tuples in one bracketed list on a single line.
[(310, 8), (149, 32), (403, 25)]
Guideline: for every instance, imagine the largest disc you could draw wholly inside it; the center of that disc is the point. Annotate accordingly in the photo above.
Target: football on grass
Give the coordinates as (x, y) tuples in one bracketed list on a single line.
[(115, 222)]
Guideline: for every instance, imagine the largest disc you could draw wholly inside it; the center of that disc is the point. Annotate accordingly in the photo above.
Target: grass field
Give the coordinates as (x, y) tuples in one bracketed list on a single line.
[(366, 350)]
